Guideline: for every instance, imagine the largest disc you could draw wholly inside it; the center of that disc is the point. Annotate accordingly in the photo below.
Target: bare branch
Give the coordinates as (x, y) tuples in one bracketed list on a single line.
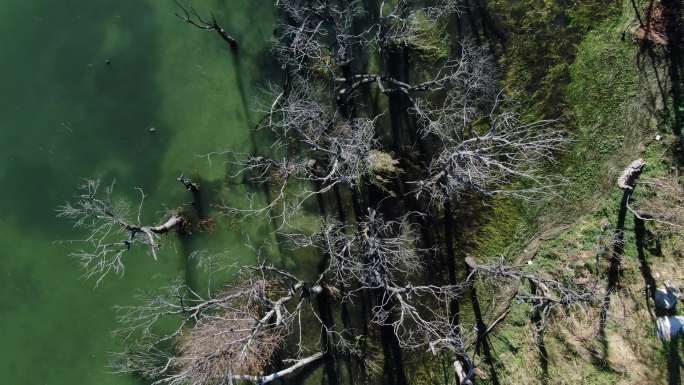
[(190, 15), (660, 201), (111, 230), (234, 333), (548, 293)]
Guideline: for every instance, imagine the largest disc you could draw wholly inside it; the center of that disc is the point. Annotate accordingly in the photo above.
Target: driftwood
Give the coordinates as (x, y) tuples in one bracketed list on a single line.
[(631, 174), (279, 374), (152, 232)]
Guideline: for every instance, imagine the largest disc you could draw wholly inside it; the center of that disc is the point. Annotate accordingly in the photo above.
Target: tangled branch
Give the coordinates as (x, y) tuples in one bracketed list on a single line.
[(112, 231)]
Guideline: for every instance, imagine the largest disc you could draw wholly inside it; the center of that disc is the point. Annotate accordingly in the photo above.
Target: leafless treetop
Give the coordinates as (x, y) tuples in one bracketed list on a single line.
[(112, 227)]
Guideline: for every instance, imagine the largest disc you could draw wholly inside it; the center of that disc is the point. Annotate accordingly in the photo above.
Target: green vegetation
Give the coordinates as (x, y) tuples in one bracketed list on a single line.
[(575, 63), (425, 191)]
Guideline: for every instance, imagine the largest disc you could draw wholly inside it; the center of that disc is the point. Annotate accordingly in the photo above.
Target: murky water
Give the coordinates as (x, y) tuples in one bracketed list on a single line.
[(66, 114)]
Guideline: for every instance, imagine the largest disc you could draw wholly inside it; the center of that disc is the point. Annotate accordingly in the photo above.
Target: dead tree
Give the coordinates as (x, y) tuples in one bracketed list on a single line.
[(190, 15), (380, 257), (627, 183), (547, 294), (328, 151), (330, 141), (228, 336), (112, 228)]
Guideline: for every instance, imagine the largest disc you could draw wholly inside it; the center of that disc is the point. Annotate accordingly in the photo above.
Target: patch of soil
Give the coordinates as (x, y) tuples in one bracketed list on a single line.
[(654, 26)]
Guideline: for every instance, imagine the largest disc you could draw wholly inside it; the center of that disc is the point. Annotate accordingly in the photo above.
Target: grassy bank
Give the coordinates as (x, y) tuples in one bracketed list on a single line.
[(579, 64)]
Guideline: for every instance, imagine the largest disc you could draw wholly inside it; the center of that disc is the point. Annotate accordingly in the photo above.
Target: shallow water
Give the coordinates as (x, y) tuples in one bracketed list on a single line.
[(65, 115)]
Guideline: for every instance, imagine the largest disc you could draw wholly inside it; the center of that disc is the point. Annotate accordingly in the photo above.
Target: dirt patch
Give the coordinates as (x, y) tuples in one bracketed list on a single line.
[(661, 23)]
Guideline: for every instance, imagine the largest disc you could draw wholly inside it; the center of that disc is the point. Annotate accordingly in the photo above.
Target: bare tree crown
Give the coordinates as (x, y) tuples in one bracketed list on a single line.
[(112, 228)]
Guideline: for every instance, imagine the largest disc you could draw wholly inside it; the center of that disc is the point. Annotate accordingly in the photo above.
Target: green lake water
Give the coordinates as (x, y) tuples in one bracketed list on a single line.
[(66, 115)]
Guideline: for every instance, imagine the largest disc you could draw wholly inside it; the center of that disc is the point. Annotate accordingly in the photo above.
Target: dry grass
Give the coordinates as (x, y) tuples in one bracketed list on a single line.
[(230, 343), (662, 201)]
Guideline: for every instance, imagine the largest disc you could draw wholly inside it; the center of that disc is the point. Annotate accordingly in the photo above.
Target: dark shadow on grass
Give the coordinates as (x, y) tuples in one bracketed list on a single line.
[(644, 267), (661, 38), (615, 255), (674, 362)]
